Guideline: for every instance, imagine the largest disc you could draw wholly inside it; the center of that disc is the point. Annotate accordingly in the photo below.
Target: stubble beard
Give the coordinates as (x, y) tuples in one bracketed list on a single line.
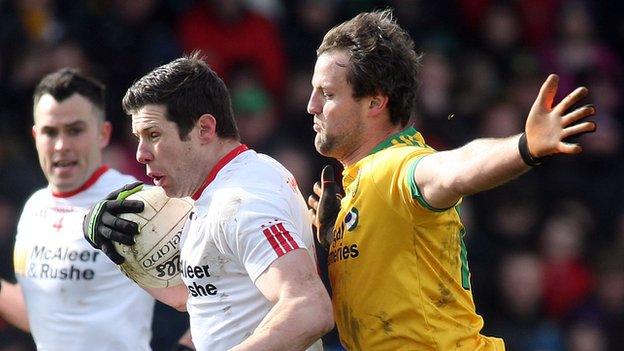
[(325, 145)]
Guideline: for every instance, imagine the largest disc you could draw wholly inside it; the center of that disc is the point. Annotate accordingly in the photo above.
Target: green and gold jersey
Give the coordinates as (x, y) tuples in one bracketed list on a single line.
[(397, 266)]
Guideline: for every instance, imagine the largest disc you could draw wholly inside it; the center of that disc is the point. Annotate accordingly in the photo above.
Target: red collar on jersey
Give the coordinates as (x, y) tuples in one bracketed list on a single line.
[(220, 164), (94, 177)]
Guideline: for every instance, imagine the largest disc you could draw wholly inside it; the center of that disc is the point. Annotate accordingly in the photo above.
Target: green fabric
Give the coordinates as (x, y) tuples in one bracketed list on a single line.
[(395, 139), (124, 194)]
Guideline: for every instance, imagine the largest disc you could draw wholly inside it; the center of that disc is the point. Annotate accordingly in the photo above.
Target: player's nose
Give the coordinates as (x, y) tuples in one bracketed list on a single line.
[(143, 154)]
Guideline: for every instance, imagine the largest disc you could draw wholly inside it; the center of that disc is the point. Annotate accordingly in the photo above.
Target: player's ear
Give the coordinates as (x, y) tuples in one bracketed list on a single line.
[(378, 103), (106, 129), (34, 132), (207, 127)]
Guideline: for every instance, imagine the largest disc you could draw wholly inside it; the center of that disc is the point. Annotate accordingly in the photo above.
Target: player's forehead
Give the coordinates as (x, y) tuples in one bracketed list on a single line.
[(147, 117), (330, 69), (73, 110)]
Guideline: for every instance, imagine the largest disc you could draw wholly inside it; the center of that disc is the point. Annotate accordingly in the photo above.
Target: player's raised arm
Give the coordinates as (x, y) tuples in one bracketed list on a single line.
[(444, 177)]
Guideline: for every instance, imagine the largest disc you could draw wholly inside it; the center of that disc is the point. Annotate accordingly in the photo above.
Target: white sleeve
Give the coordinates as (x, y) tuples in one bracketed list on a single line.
[(263, 232)]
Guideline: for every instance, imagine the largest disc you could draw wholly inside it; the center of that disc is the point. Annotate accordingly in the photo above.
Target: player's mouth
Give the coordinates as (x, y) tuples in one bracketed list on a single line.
[(317, 127), (157, 178), (64, 164)]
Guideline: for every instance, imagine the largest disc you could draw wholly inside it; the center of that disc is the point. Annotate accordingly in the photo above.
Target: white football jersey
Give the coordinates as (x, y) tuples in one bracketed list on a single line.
[(76, 297), (250, 214)]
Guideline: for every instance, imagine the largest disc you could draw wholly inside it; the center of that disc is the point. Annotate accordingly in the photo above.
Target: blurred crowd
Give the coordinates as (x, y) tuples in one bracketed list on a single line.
[(546, 251)]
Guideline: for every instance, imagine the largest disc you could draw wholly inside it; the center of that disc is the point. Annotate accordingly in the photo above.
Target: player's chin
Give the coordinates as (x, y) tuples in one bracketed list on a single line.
[(321, 145), (173, 192)]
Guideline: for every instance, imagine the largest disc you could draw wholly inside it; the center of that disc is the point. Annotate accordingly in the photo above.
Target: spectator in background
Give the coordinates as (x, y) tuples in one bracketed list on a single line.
[(126, 39), (586, 336), (309, 20), (519, 316), (230, 34), (568, 279), (256, 114), (604, 309)]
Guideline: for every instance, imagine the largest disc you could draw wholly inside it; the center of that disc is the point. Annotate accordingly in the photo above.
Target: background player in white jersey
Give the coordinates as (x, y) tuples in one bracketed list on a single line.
[(68, 294), (247, 253)]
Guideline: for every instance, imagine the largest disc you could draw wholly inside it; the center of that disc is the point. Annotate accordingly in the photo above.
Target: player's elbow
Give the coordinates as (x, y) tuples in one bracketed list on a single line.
[(180, 307), (326, 323), (323, 321)]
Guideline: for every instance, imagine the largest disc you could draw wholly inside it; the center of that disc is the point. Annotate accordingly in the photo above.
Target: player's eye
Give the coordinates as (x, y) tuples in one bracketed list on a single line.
[(50, 133), (154, 135), (74, 131)]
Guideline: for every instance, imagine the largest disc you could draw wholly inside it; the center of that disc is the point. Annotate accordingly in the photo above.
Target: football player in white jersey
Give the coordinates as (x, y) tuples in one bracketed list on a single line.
[(68, 294), (247, 253)]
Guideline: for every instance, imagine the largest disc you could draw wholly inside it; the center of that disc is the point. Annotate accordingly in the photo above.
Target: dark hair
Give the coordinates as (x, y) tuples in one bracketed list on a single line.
[(382, 60), (188, 88), (66, 82)]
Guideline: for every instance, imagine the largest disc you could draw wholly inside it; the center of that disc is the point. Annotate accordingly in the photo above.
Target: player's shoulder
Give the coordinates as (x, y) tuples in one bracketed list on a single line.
[(404, 144), (253, 170), (392, 157), (112, 179), (253, 182), (38, 197)]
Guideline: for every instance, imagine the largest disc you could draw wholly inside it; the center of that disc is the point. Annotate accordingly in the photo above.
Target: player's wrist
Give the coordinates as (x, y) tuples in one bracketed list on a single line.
[(525, 154)]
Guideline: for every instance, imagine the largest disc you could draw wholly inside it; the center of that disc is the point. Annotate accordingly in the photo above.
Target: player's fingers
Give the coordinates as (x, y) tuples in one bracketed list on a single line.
[(109, 250), (571, 99), (312, 216), (570, 148), (578, 114), (119, 224), (313, 201), (317, 188), (585, 127), (547, 92), (125, 206), (114, 235)]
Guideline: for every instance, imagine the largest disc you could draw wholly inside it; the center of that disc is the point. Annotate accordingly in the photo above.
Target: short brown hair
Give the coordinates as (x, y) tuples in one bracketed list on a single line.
[(382, 60), (66, 82), (188, 88)]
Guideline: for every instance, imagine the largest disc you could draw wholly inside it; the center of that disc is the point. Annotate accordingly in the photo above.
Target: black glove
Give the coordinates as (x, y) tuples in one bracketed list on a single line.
[(325, 205), (101, 224), (180, 347)]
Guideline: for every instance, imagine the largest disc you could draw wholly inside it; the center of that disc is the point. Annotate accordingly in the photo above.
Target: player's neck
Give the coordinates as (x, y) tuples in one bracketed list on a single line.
[(216, 155), (221, 148), (369, 142)]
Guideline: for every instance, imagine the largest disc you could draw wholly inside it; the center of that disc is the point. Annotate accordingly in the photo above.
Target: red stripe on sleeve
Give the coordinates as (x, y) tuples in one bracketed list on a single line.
[(287, 235), (281, 239), (271, 238)]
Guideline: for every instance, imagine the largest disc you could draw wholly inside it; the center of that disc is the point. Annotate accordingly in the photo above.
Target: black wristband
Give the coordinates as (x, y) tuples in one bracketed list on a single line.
[(180, 347), (529, 159)]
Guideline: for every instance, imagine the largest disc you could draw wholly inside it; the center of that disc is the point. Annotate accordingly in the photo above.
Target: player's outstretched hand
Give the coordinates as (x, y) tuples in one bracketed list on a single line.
[(548, 127), (325, 205), (102, 225)]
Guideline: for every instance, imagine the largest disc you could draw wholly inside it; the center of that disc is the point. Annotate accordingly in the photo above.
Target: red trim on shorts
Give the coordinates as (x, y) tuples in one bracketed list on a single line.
[(217, 167), (94, 177)]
